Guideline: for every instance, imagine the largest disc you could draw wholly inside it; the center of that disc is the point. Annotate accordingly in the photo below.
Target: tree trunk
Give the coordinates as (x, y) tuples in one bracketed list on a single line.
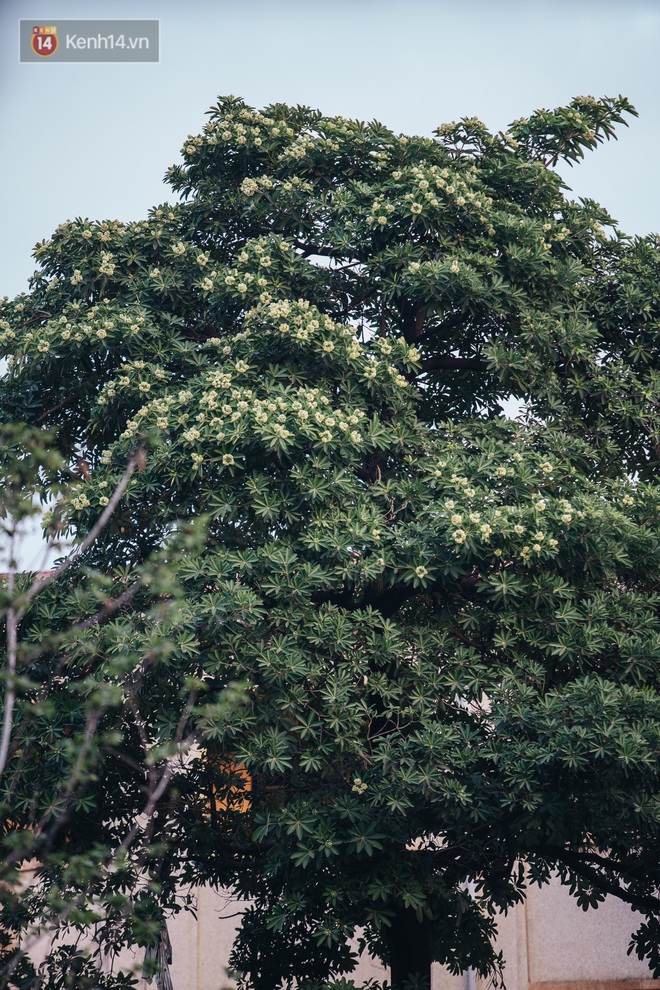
[(409, 942)]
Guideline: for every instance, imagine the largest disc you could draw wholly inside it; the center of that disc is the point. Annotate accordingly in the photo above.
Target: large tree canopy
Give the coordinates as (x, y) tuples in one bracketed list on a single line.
[(446, 621)]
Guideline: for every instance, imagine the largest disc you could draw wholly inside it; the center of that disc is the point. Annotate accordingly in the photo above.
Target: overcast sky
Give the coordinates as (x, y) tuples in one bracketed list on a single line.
[(95, 139)]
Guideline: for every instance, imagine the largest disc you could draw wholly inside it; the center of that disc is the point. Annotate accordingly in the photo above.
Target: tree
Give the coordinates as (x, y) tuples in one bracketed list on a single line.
[(447, 620), (69, 681)]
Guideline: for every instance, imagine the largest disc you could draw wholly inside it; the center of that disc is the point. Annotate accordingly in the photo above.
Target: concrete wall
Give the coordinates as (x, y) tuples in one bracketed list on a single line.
[(549, 943)]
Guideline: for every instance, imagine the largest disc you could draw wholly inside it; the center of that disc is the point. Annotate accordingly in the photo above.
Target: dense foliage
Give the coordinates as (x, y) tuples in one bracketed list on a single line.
[(446, 621)]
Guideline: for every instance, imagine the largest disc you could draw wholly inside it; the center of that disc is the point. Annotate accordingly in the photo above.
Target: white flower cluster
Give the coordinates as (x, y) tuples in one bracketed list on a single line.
[(131, 378), (239, 126), (252, 186), (299, 148), (477, 516), (107, 266), (303, 324), (7, 333), (381, 211), (436, 187), (89, 325), (209, 420), (249, 187)]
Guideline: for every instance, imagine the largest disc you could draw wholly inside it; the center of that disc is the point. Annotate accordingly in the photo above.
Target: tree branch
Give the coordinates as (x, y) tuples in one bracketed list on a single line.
[(450, 362), (42, 582), (16, 609), (576, 861), (10, 691), (452, 321), (310, 249)]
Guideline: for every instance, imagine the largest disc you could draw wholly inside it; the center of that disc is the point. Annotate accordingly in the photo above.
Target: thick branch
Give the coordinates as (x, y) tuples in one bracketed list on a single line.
[(383, 600), (453, 363), (310, 249), (434, 330), (412, 319), (576, 861)]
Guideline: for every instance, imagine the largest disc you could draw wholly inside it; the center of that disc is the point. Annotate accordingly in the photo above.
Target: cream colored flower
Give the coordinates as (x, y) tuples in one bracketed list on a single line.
[(249, 187)]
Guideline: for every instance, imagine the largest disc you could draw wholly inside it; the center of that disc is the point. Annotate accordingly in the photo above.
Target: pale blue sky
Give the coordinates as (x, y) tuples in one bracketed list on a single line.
[(95, 140)]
